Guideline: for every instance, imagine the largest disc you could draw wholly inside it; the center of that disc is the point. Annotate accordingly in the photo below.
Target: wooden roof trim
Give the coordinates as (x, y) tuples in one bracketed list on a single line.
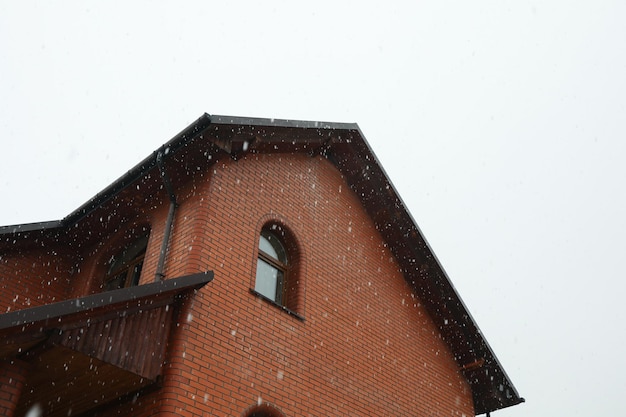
[(120, 300)]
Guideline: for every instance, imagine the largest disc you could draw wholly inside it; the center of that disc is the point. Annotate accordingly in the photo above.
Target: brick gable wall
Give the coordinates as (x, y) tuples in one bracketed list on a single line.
[(366, 345)]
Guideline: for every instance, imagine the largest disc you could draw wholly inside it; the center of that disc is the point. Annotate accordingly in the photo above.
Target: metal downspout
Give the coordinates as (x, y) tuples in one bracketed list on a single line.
[(159, 275)]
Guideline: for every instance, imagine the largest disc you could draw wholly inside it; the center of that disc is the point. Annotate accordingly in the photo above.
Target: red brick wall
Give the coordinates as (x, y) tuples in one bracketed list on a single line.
[(33, 277), (12, 377), (366, 345)]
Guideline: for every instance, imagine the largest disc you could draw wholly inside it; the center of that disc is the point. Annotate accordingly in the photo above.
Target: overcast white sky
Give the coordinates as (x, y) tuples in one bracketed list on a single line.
[(501, 124)]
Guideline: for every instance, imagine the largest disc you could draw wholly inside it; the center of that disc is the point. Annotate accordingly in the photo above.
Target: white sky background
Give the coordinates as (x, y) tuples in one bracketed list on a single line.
[(500, 123)]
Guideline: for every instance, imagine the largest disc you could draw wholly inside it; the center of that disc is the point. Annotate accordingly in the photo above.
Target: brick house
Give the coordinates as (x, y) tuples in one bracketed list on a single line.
[(248, 267)]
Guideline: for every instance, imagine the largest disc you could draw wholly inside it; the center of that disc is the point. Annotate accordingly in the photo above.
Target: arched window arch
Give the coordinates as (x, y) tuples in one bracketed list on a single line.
[(279, 266), (263, 410)]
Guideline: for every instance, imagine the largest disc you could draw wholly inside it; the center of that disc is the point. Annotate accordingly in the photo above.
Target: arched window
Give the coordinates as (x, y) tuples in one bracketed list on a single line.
[(280, 267), (272, 267), (124, 269)]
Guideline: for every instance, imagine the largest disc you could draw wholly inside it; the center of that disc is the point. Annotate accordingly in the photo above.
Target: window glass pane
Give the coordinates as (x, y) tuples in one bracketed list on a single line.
[(136, 271), (116, 282), (266, 246), (266, 279), (122, 259)]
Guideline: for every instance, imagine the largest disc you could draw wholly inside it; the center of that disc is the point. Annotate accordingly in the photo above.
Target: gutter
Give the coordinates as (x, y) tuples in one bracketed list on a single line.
[(139, 170)]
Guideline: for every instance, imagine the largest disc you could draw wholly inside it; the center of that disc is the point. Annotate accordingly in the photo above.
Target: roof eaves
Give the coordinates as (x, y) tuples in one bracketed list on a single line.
[(139, 170), (285, 123), (135, 173), (30, 227), (463, 320)]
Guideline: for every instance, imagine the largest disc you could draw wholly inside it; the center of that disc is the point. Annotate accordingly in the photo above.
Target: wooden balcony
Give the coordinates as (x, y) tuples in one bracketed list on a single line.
[(87, 352)]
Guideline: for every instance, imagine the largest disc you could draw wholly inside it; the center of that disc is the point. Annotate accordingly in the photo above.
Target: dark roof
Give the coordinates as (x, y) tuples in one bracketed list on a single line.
[(345, 146)]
